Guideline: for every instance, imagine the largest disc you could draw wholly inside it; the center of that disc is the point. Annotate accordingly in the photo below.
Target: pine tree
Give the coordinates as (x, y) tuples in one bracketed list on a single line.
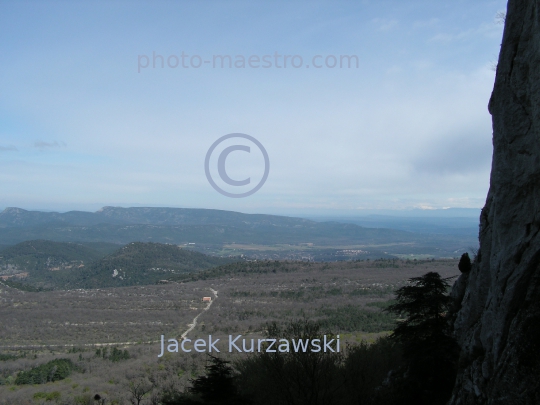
[(217, 386), (424, 304), (429, 350)]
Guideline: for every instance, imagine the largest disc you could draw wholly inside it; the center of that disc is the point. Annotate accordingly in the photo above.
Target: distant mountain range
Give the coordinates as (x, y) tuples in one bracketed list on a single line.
[(182, 225), (225, 233), (447, 225), (116, 247), (17, 217), (48, 264)]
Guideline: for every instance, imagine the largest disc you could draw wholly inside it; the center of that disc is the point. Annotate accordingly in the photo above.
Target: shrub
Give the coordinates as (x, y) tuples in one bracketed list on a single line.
[(54, 370), (48, 396)]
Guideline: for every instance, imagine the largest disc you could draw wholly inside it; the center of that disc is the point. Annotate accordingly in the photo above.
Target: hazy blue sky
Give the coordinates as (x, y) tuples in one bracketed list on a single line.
[(81, 127)]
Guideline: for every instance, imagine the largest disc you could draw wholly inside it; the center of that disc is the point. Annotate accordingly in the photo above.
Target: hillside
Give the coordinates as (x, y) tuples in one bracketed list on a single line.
[(37, 256), (181, 225), (60, 265), (47, 264), (144, 263)]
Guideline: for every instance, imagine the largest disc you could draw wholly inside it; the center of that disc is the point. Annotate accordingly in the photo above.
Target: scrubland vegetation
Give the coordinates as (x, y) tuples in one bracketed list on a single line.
[(111, 336)]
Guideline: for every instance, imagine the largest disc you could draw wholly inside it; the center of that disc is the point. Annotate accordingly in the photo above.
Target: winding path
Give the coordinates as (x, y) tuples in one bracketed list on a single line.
[(194, 323), (191, 327)]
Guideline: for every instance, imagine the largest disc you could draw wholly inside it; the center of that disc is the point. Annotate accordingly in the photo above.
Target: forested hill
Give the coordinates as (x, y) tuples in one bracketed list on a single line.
[(145, 263), (60, 265), (182, 225), (41, 255), (18, 217)]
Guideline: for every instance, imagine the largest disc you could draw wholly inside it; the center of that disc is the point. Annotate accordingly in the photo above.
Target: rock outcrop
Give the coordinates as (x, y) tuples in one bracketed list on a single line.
[(497, 323)]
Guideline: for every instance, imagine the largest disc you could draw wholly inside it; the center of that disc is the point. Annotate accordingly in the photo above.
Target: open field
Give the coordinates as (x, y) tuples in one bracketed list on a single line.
[(333, 252), (345, 297)]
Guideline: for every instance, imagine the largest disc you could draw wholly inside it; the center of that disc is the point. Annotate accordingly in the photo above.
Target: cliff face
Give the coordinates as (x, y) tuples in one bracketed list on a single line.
[(498, 319)]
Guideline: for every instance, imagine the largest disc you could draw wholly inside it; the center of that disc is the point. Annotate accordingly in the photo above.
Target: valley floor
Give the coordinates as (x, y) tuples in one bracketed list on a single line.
[(346, 298)]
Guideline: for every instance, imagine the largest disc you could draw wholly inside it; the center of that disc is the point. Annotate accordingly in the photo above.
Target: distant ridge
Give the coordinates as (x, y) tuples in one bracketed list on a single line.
[(18, 217), (225, 233), (181, 225)]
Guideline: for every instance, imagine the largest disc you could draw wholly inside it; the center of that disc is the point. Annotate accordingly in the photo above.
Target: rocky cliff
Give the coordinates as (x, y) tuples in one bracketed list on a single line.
[(498, 320)]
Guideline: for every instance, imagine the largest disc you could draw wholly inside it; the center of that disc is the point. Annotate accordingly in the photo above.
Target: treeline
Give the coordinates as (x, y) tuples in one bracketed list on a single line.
[(244, 268), (315, 292), (241, 268), (114, 355)]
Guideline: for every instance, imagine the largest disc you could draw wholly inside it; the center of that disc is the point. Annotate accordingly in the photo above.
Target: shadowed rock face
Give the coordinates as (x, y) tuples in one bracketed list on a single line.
[(498, 319)]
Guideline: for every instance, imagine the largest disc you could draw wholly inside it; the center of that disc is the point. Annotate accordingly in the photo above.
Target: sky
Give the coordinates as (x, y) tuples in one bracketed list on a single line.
[(104, 103)]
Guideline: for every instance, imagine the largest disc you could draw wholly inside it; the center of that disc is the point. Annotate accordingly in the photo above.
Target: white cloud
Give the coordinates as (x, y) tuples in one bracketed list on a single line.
[(42, 145)]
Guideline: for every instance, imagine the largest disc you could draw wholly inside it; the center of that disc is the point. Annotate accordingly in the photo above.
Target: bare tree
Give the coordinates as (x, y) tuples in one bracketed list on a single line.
[(138, 388)]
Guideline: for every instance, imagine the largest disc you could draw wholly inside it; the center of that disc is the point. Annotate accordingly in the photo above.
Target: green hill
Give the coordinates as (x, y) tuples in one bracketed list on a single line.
[(59, 265), (144, 263), (44, 255), (44, 263)]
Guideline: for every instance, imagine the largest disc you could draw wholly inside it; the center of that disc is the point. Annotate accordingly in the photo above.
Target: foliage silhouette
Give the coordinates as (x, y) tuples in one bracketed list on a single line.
[(465, 263), (217, 387), (429, 351)]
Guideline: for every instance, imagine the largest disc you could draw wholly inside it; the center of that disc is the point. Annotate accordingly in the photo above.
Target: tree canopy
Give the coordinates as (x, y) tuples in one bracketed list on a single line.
[(429, 350)]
